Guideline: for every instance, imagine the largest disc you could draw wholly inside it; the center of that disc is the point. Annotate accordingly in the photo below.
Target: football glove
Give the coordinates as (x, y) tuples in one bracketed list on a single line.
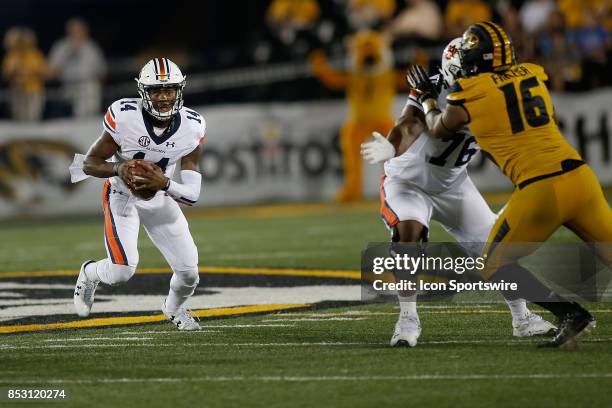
[(377, 150), (421, 84)]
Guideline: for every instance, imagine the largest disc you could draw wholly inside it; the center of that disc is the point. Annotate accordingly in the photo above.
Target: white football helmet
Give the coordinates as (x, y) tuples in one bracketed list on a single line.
[(451, 63), (160, 72)]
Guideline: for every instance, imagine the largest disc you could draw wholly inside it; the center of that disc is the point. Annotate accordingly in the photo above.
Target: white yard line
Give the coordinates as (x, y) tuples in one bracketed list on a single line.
[(455, 306), (349, 313), (315, 319), (203, 344), (218, 326), (423, 309), (526, 342), (415, 377)]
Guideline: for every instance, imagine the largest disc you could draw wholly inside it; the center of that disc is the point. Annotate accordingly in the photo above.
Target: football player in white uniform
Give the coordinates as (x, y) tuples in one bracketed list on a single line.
[(426, 179), (138, 132)]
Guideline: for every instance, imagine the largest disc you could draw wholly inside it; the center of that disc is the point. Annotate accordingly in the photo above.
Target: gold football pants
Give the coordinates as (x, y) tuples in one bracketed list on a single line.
[(535, 211)]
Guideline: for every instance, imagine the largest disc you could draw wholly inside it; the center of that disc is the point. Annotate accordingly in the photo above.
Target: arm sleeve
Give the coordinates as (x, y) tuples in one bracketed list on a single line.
[(188, 191)]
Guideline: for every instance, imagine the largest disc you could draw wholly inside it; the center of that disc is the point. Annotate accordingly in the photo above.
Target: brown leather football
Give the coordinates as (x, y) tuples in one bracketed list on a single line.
[(140, 168)]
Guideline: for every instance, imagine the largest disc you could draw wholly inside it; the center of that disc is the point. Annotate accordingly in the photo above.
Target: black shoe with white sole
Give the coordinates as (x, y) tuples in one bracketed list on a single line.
[(571, 325)]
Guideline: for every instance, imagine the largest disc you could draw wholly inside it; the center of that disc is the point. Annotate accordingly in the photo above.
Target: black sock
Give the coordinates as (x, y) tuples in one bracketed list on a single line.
[(531, 289), (559, 309)]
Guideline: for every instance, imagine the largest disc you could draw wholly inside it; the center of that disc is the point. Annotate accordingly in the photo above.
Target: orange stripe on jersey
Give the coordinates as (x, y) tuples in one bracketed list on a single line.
[(112, 240), (109, 119), (387, 213)]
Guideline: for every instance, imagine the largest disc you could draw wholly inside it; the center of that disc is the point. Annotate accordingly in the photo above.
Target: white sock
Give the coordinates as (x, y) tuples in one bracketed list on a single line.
[(407, 305), (174, 301), (91, 271), (518, 308), (179, 293)]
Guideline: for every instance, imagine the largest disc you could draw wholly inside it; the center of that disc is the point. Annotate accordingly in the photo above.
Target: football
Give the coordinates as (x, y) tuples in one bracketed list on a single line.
[(137, 172)]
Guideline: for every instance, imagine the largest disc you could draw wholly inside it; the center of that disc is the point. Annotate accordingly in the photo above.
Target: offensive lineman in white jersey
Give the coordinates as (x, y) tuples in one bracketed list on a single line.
[(426, 179), (154, 128)]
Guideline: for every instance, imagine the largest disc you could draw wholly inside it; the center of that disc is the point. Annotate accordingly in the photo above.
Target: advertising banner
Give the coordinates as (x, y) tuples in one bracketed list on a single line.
[(253, 153)]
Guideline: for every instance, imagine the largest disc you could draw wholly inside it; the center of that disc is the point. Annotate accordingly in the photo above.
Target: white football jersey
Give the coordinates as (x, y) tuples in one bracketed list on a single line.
[(434, 165), (132, 130)]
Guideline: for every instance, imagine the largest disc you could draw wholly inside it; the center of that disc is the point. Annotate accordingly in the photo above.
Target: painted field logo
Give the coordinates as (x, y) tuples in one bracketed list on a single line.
[(43, 300)]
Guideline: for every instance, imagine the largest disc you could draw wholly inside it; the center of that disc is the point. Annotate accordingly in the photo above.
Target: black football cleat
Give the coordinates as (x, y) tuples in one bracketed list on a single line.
[(570, 326)]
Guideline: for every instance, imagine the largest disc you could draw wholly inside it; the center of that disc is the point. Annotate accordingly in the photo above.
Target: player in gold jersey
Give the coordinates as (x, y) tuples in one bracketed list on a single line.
[(509, 110)]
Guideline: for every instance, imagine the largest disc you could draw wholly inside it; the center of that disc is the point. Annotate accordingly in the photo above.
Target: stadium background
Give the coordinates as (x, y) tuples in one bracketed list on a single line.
[(279, 259), (249, 68)]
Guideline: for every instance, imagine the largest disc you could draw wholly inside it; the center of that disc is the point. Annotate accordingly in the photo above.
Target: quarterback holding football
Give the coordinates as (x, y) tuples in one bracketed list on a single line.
[(145, 138)]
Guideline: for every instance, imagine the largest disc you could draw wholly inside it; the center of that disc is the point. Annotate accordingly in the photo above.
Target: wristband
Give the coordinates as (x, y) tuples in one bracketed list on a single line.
[(425, 96), (429, 105), (167, 186)]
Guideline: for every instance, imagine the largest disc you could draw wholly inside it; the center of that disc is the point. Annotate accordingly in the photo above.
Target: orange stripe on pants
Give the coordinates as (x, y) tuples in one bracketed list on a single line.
[(387, 213), (109, 230)]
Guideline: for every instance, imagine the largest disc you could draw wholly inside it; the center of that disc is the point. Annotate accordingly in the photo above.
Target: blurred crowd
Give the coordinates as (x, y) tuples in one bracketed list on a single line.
[(571, 38), (75, 60)]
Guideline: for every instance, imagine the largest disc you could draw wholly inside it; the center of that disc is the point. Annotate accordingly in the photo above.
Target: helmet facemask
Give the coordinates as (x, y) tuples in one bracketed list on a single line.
[(149, 105)]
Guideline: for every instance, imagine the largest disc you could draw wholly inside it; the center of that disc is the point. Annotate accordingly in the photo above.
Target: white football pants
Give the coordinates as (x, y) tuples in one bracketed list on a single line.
[(167, 228), (461, 210)]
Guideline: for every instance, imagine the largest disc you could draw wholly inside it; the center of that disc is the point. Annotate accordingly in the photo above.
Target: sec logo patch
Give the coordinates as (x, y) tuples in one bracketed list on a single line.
[(144, 141)]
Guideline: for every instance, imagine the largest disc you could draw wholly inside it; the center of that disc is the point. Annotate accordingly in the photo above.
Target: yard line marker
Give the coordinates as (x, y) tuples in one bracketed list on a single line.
[(415, 377)]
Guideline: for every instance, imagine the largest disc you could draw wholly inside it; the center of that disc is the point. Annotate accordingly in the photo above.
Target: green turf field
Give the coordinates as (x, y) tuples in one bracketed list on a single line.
[(309, 356)]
